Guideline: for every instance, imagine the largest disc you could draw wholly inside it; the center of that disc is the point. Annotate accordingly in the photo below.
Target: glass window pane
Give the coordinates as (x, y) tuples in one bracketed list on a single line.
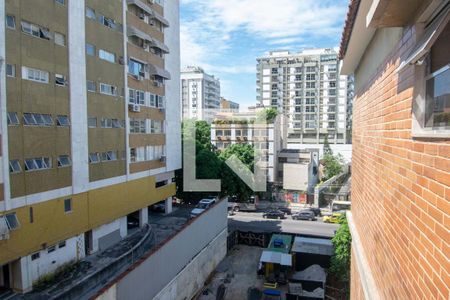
[(437, 112)]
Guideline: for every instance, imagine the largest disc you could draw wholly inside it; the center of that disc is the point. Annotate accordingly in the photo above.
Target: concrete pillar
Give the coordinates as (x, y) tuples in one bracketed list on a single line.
[(143, 216), (168, 208), (20, 278)]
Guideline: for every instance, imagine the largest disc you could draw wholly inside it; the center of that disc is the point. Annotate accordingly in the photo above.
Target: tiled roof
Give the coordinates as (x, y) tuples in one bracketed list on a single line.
[(348, 27)]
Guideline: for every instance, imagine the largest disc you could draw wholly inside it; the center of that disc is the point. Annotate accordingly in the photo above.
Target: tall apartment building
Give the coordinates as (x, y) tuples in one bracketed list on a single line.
[(400, 216), (200, 94), (308, 89), (90, 126), (228, 106)]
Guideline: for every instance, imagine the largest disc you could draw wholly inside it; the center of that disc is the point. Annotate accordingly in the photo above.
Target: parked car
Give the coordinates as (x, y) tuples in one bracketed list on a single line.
[(159, 207), (315, 210), (286, 210), (203, 205), (304, 215), (334, 218), (274, 214), (233, 206)]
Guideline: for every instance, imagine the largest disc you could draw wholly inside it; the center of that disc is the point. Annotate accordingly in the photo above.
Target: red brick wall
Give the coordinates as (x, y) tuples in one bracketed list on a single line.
[(400, 189)]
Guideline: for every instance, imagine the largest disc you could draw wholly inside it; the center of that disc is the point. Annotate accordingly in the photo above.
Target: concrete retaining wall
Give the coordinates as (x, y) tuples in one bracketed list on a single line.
[(192, 278), (198, 247)]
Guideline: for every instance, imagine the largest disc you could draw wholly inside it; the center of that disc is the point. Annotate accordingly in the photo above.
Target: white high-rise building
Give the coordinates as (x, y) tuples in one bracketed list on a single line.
[(200, 94), (307, 88)]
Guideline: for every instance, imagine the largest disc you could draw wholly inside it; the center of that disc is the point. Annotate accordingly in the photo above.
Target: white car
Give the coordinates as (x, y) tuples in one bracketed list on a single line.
[(203, 205)]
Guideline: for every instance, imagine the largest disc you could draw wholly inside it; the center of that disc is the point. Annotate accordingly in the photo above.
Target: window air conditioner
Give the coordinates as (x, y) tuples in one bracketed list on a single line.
[(163, 158), (135, 107)]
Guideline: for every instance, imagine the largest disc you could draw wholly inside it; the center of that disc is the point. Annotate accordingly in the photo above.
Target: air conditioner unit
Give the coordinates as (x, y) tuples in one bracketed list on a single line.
[(121, 60), (135, 107), (142, 16), (161, 109), (151, 1), (163, 158), (157, 83), (140, 77), (151, 22)]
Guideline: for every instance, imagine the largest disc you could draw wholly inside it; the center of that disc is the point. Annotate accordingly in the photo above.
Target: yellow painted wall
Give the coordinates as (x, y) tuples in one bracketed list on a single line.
[(89, 210)]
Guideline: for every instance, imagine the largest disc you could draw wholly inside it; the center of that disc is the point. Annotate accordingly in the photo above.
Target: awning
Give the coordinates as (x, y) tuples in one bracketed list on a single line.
[(132, 31), (142, 6), (430, 35), (160, 18), (4, 229), (276, 258), (157, 44), (154, 70)]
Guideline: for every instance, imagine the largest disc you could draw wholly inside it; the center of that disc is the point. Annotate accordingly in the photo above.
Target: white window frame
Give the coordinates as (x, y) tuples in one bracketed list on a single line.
[(35, 75), (420, 61), (14, 166), (90, 13), (104, 87), (92, 155), (60, 123), (38, 164), (64, 161), (90, 119), (58, 78), (11, 116), (106, 55)]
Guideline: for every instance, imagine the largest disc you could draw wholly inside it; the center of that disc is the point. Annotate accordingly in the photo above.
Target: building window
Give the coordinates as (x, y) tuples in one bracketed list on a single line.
[(67, 205), (61, 244), (12, 221), (136, 68), (36, 30), (90, 49), (92, 122), (94, 158), (108, 56), (10, 22), (10, 70), (13, 119), (34, 75), (40, 163), (90, 13), (62, 2), (35, 256), (106, 123), (107, 21), (109, 156), (108, 89), (51, 249), (431, 109), (62, 121), (116, 123), (64, 161), (60, 39), (60, 80), (91, 86), (14, 166), (136, 97), (37, 119)]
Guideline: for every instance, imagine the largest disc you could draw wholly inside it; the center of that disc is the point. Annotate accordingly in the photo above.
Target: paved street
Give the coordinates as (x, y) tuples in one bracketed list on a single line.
[(253, 221)]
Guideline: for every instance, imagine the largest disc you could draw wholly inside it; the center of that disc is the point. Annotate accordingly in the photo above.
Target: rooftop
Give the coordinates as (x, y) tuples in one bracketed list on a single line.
[(312, 246), (280, 243)]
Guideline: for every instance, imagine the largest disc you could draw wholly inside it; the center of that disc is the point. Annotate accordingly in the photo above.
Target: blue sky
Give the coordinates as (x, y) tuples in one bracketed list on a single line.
[(224, 37)]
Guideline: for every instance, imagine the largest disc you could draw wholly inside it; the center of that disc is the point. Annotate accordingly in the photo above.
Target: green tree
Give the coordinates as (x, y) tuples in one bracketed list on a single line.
[(340, 261), (332, 165), (326, 147), (269, 113), (231, 183)]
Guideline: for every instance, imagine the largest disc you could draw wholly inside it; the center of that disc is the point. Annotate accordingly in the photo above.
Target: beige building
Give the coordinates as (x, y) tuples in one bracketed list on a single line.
[(298, 169), (90, 126), (228, 105)]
